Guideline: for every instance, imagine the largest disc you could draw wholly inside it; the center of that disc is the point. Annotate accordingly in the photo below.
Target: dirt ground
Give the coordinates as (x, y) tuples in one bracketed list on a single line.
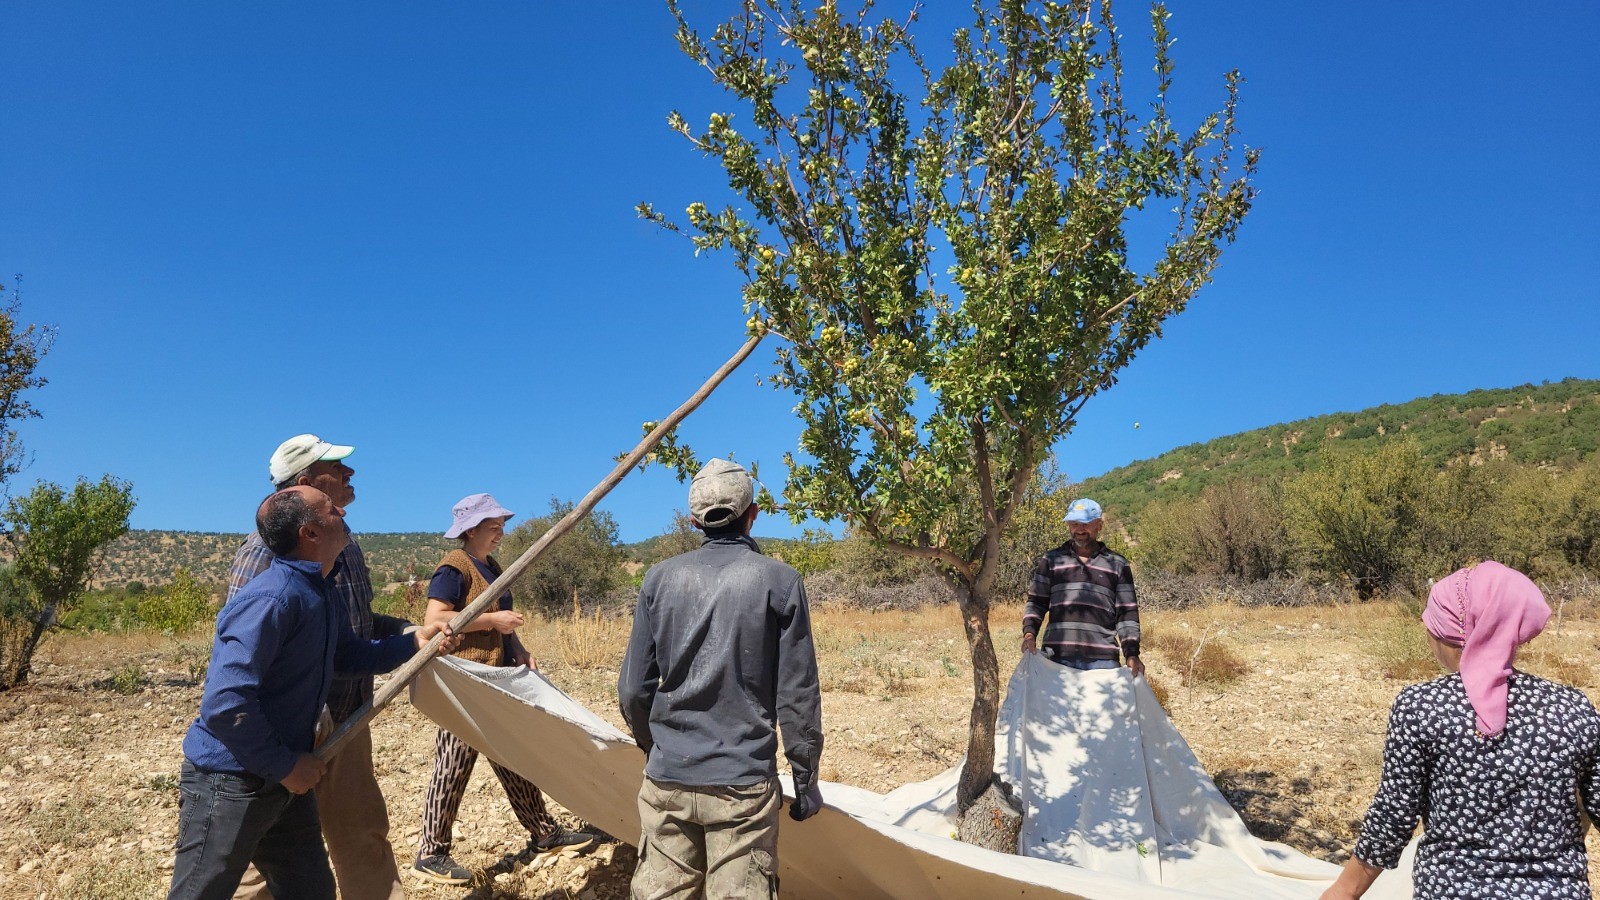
[(91, 747)]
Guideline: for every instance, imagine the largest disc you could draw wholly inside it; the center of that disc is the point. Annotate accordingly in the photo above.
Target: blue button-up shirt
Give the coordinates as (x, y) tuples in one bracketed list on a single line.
[(278, 643), (353, 586)]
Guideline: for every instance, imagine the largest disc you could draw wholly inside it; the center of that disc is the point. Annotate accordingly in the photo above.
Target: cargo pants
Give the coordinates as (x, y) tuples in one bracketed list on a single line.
[(713, 842)]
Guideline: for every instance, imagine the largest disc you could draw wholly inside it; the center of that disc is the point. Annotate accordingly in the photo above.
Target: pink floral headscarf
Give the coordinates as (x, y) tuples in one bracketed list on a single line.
[(1487, 610)]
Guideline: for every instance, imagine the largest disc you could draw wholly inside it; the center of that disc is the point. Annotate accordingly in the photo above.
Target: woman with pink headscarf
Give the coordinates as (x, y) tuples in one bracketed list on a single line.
[(1494, 761)]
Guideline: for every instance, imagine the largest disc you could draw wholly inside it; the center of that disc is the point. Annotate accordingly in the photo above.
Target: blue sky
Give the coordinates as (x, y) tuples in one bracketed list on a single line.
[(410, 227)]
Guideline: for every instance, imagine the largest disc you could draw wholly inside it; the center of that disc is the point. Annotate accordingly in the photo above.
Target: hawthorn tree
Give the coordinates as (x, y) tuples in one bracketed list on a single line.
[(946, 256)]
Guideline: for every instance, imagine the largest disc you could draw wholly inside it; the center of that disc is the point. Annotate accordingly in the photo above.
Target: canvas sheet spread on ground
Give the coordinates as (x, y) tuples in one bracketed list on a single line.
[(1118, 807)]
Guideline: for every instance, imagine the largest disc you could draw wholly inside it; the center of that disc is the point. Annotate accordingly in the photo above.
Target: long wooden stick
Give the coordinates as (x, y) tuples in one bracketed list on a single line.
[(403, 675)]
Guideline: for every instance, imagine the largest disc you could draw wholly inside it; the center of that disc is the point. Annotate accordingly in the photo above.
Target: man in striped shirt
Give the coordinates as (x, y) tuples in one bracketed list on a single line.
[(1082, 596)]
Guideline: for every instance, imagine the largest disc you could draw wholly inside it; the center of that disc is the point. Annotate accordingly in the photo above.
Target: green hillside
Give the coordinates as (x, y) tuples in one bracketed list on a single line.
[(151, 556), (1548, 424)]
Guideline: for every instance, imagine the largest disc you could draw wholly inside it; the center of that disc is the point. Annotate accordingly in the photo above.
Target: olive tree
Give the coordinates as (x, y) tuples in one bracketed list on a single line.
[(947, 256)]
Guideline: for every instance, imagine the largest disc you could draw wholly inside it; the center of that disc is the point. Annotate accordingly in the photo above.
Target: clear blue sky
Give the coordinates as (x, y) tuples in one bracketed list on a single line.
[(409, 227)]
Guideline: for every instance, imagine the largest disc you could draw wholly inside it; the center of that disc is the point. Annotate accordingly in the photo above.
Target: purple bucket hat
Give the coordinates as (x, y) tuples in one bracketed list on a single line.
[(472, 509)]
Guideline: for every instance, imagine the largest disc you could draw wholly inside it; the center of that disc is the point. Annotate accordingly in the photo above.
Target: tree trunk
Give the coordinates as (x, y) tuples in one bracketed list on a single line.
[(978, 772), (17, 667)]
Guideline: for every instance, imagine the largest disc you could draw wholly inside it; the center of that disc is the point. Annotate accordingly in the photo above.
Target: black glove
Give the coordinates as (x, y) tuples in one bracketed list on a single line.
[(807, 800)]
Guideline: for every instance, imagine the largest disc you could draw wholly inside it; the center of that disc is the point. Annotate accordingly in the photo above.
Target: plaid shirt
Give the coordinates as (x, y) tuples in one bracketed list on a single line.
[(353, 586), (1092, 607)]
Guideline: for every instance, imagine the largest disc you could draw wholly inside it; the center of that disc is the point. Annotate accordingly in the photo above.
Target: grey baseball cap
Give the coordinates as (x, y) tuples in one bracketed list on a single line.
[(720, 492)]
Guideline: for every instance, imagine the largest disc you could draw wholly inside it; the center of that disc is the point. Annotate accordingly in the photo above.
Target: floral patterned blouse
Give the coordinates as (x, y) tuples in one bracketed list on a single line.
[(1500, 816)]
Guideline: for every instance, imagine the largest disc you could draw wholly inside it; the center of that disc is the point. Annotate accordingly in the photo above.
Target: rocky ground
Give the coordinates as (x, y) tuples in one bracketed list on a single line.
[(88, 766)]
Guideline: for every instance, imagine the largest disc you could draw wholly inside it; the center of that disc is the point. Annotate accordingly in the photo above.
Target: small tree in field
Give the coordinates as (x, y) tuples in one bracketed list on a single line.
[(946, 257), (54, 536)]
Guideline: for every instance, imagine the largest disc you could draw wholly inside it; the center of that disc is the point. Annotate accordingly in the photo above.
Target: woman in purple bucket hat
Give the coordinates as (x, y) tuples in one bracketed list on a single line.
[(479, 522)]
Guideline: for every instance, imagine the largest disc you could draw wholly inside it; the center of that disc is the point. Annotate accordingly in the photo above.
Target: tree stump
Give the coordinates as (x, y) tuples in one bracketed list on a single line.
[(994, 821)]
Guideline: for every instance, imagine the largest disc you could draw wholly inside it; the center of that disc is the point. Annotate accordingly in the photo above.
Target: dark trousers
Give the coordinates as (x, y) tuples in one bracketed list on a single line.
[(226, 822)]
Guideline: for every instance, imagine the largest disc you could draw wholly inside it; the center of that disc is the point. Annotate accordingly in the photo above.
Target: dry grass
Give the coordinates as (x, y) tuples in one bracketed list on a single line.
[(1294, 739), (1203, 659), (1396, 639), (589, 641), (1560, 657)]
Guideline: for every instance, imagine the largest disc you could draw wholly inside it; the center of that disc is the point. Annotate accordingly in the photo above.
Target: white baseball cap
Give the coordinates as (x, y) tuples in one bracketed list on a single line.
[(298, 453)]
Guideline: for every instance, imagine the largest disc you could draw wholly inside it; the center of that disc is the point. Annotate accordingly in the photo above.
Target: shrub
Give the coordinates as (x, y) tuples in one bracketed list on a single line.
[(1235, 529), (588, 559), (104, 610), (1400, 643), (127, 680), (1205, 660), (1358, 516), (406, 601), (177, 607)]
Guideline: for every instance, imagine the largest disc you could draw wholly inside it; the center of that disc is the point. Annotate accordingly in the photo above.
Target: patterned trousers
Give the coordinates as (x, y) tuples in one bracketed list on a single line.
[(452, 767)]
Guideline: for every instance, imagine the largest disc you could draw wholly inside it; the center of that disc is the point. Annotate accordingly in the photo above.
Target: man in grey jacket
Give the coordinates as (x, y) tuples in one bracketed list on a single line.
[(719, 658)]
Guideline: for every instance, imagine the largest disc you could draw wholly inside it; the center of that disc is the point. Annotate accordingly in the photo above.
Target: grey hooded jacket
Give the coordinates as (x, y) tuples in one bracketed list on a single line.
[(721, 652)]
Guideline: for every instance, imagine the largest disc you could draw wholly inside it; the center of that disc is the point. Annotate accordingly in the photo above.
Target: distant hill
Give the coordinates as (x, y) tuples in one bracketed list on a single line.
[(151, 556), (1546, 425)]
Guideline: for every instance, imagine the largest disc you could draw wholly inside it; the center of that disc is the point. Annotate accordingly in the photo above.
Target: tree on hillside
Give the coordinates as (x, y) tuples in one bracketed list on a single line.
[(586, 562), (948, 257), (21, 349), (1232, 529), (54, 537), (1388, 518)]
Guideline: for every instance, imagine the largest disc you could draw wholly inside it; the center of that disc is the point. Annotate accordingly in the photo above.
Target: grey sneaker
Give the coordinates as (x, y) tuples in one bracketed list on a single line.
[(442, 869), (562, 838)]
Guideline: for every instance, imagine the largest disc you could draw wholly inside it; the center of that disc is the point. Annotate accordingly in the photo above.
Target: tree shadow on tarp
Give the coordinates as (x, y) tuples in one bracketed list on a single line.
[(1071, 744)]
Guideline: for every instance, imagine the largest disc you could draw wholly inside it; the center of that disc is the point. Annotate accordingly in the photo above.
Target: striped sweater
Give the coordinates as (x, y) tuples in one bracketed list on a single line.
[(1091, 606)]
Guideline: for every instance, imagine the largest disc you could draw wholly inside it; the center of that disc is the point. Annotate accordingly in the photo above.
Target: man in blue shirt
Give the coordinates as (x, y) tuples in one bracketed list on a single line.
[(355, 818), (248, 767)]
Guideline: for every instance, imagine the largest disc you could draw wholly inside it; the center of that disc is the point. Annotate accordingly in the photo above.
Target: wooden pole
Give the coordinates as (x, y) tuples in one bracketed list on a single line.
[(403, 675)]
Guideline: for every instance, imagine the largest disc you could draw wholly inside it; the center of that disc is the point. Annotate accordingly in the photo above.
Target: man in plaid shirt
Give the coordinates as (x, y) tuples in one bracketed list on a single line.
[(355, 819), (1082, 599)]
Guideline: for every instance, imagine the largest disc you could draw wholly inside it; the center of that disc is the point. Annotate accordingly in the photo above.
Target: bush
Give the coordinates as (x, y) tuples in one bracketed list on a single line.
[(1235, 529), (811, 554), (102, 610), (1205, 660), (586, 561), (407, 601), (127, 680), (1358, 516), (177, 607), (839, 589)]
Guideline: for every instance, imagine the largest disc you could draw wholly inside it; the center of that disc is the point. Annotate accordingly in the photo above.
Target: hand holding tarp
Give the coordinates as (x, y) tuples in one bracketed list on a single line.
[(807, 800)]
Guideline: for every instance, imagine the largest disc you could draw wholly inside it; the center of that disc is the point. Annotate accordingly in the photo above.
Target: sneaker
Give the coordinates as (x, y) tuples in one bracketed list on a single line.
[(443, 869), (563, 838)]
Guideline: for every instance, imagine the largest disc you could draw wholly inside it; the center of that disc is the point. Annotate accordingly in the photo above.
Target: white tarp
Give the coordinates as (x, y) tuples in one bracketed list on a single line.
[(1118, 807)]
